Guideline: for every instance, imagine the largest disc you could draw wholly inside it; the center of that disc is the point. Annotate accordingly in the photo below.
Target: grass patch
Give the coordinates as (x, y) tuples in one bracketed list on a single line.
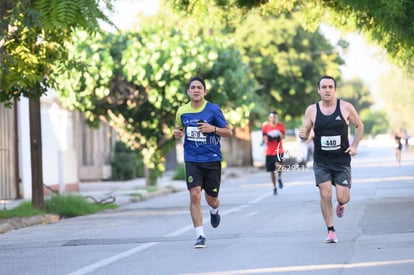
[(138, 196), (74, 205), (63, 205), (25, 209), (151, 189)]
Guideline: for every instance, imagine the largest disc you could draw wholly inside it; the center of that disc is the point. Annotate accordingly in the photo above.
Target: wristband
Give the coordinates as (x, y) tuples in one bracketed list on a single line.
[(215, 129)]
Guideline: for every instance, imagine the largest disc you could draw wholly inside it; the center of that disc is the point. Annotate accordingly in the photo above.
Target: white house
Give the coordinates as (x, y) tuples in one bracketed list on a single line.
[(71, 151)]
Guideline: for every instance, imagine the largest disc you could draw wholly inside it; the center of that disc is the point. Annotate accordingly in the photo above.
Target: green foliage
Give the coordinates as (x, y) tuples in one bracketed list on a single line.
[(67, 206), (386, 22), (73, 205), (25, 209), (397, 93), (355, 92), (375, 122), (126, 163), (135, 82), (152, 189), (33, 35), (70, 14), (286, 60)]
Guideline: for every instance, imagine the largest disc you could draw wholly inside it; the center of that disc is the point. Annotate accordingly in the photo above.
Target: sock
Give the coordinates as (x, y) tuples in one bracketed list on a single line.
[(213, 210), (331, 228), (199, 231)]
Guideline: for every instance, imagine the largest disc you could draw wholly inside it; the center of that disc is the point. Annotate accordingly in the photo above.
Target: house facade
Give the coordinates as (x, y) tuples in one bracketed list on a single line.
[(72, 152), (9, 188)]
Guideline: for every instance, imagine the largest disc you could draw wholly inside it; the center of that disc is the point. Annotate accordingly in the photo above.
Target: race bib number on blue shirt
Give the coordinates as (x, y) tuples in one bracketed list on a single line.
[(194, 134)]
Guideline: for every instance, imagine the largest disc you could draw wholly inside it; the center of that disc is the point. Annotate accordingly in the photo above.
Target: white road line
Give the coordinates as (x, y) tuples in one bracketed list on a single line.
[(179, 231), (308, 268), (113, 259), (93, 267)]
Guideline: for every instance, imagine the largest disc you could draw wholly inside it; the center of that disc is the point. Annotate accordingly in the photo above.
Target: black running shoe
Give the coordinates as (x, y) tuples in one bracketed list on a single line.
[(280, 184), (215, 219), (275, 191), (200, 242)]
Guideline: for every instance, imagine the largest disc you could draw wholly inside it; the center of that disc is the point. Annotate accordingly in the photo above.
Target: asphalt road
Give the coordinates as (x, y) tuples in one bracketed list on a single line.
[(259, 234)]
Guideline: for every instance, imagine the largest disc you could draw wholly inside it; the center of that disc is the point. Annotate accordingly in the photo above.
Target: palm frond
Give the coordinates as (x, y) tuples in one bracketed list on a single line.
[(67, 14)]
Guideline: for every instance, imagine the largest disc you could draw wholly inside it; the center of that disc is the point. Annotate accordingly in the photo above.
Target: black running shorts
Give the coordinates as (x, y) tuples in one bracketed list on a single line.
[(204, 174), (271, 162)]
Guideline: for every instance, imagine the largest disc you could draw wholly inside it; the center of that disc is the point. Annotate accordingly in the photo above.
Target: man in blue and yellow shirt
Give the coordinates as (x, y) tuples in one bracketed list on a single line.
[(202, 124)]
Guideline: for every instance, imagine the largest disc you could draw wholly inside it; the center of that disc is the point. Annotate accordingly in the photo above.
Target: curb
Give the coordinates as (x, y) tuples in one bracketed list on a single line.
[(120, 199), (20, 222), (163, 191)]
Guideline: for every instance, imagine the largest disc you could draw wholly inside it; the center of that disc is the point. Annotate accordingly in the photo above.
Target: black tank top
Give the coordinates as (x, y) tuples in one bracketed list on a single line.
[(331, 137)]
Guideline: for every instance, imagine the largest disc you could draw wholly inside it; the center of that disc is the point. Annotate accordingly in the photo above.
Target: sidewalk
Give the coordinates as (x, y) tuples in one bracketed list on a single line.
[(123, 192), (118, 192), (135, 190)]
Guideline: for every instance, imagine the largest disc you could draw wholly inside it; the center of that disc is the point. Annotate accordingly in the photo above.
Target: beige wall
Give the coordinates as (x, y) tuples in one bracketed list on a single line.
[(8, 181), (237, 149), (94, 148)]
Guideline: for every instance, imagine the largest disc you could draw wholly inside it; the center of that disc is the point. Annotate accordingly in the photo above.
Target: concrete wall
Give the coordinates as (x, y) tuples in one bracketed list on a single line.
[(8, 181), (60, 169)]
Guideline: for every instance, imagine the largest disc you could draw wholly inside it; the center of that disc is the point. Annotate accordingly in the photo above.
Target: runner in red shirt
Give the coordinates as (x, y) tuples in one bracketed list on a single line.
[(273, 133)]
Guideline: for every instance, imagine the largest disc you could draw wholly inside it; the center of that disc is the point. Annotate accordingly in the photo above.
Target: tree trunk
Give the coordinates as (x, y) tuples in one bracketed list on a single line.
[(36, 154)]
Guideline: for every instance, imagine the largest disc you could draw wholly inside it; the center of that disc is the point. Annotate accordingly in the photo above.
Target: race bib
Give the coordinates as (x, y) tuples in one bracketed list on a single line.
[(330, 143), (194, 134)]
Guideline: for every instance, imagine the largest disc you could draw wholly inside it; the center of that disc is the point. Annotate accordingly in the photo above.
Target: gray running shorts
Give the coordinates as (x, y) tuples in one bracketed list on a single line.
[(335, 173)]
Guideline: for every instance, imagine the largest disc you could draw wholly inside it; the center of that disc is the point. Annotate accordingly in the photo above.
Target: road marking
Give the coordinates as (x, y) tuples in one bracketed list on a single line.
[(304, 268), (93, 267), (179, 231), (385, 179), (354, 181), (113, 259), (252, 214)]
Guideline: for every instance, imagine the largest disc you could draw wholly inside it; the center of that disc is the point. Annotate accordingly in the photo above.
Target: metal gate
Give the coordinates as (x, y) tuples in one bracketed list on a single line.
[(7, 154)]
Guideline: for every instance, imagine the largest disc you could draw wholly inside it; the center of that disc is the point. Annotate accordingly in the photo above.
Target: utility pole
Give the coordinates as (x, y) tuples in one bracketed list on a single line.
[(36, 153)]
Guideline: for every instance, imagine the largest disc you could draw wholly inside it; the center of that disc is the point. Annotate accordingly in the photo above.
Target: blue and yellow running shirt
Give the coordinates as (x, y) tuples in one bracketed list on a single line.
[(199, 147)]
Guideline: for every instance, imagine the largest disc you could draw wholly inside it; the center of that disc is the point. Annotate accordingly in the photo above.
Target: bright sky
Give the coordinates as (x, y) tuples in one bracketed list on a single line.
[(126, 11)]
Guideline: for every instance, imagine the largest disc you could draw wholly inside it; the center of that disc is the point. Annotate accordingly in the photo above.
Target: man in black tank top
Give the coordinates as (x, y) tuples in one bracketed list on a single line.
[(329, 119), (331, 137)]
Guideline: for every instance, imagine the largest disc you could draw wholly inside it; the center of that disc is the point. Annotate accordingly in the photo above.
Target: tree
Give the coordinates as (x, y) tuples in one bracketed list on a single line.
[(135, 82), (397, 91), (286, 60), (375, 121), (33, 34), (356, 92), (386, 22)]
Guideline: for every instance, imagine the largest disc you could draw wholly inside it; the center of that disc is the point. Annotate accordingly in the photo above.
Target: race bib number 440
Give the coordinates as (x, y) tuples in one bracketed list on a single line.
[(330, 143), (194, 134)]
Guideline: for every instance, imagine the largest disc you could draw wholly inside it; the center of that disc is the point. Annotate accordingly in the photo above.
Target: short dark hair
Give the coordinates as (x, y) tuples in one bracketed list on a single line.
[(199, 78), (273, 112), (326, 77)]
